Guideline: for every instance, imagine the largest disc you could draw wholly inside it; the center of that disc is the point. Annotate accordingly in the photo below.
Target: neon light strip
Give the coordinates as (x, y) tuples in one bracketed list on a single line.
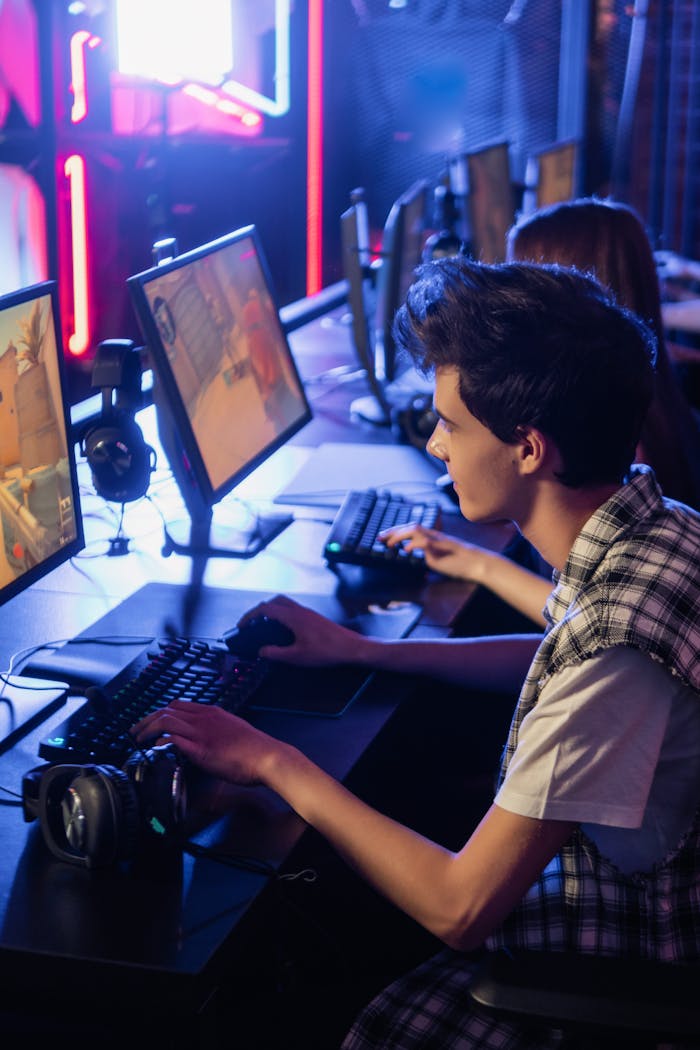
[(279, 105), (74, 169), (77, 75), (210, 97), (78, 80), (314, 151)]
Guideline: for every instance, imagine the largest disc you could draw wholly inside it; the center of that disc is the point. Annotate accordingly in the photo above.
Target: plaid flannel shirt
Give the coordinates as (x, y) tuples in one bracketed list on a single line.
[(632, 579)]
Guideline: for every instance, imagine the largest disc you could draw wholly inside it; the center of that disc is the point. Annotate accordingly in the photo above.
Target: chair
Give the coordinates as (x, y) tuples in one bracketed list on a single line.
[(597, 1002)]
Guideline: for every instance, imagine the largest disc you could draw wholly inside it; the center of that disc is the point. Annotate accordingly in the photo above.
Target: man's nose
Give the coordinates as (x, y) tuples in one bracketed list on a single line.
[(436, 446)]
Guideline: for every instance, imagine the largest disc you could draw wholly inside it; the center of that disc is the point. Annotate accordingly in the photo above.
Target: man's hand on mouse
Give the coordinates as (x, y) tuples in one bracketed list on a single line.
[(318, 641)]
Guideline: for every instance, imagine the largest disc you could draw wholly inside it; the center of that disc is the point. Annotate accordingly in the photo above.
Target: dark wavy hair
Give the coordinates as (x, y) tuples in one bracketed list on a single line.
[(541, 346)]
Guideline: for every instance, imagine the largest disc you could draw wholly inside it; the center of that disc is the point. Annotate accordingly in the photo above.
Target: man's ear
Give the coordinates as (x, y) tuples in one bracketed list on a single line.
[(533, 449)]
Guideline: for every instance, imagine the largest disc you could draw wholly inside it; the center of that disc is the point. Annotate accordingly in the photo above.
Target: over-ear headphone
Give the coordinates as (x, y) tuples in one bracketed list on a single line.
[(415, 420), (95, 815), (120, 460)]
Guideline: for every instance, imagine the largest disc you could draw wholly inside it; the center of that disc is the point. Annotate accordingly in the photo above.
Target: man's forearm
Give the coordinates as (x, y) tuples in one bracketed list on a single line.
[(498, 662)]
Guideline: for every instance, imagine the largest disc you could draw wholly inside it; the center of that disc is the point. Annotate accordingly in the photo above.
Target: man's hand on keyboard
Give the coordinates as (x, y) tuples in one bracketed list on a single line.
[(443, 553), (318, 641), (215, 740), (525, 590)]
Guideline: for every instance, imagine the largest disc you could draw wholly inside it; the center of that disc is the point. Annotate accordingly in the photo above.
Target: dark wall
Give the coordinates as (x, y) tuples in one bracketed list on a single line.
[(408, 86)]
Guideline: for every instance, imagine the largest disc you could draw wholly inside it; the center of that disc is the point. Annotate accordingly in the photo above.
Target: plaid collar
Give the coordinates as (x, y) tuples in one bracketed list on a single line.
[(637, 499)]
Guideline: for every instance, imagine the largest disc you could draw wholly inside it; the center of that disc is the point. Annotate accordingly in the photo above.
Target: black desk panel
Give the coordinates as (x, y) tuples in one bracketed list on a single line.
[(156, 927)]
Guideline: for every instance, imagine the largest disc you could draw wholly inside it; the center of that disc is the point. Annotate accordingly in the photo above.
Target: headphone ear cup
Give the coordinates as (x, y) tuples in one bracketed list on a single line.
[(120, 460), (89, 814), (159, 784), (416, 420)]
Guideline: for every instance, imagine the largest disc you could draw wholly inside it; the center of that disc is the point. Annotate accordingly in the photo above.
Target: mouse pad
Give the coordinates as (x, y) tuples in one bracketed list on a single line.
[(162, 608)]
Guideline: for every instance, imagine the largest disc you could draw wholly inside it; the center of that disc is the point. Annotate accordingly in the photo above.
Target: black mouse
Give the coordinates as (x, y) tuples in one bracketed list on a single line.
[(248, 639)]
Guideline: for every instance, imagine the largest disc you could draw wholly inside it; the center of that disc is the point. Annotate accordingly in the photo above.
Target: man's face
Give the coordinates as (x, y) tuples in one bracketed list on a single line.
[(483, 468)]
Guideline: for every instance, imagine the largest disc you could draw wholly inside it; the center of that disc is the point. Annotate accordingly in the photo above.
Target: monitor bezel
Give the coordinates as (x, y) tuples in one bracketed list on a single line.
[(389, 295), (63, 554), (358, 292), (197, 488)]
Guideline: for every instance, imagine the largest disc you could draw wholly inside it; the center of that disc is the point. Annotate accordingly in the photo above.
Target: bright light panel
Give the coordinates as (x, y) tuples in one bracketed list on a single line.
[(174, 40)]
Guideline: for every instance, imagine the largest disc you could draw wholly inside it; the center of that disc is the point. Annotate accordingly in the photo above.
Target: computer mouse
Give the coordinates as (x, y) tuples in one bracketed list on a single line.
[(248, 639)]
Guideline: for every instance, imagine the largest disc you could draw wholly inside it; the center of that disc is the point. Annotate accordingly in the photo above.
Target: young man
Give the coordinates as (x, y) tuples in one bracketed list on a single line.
[(592, 842)]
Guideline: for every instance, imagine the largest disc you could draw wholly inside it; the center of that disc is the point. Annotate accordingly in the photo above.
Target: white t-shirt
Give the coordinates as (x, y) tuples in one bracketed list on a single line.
[(613, 744)]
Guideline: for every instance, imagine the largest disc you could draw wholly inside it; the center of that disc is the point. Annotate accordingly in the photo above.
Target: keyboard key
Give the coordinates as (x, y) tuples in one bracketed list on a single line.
[(364, 514)]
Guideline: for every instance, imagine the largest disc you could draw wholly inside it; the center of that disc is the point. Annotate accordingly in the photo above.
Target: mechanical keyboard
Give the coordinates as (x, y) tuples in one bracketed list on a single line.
[(362, 516), (187, 669)]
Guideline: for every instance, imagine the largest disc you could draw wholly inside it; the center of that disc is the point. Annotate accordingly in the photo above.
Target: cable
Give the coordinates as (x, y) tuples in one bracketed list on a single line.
[(305, 875), (16, 799), (50, 687), (244, 863), (231, 860), (57, 643)]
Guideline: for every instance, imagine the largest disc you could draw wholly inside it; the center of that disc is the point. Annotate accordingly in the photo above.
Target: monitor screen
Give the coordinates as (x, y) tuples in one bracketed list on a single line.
[(39, 505), (402, 245), (226, 387), (490, 201)]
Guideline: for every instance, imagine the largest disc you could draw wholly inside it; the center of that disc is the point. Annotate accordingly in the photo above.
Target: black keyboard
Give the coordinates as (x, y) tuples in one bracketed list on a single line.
[(187, 669), (362, 516)]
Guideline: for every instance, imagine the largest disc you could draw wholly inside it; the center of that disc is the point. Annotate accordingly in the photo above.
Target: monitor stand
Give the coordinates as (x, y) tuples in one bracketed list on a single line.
[(204, 537), (201, 536)]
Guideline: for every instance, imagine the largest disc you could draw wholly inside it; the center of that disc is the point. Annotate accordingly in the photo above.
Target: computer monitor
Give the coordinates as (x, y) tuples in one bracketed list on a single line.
[(39, 506), (490, 201), (226, 387), (360, 293), (402, 245), (550, 176), (375, 294)]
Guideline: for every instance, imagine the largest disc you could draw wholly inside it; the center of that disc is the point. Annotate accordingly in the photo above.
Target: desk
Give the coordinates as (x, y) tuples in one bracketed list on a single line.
[(155, 940), (682, 316)]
